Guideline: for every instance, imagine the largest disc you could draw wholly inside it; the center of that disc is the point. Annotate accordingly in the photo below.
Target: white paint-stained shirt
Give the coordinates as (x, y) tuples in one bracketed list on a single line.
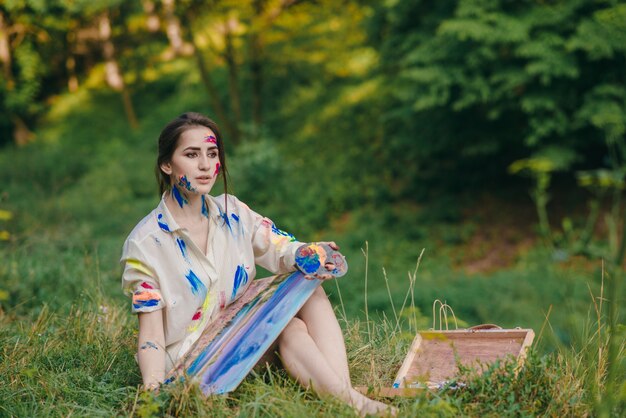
[(164, 269)]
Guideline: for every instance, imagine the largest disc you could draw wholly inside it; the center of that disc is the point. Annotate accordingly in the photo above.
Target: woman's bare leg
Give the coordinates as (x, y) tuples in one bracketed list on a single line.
[(322, 325), (306, 363)]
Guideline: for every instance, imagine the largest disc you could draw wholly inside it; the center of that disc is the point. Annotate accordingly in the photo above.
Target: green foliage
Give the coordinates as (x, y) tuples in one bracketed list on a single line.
[(472, 82)]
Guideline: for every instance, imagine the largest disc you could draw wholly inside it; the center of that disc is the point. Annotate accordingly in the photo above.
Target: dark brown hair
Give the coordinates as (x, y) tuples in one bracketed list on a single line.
[(168, 141)]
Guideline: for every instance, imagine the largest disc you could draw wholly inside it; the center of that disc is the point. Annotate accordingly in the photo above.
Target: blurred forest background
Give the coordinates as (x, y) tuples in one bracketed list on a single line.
[(488, 133)]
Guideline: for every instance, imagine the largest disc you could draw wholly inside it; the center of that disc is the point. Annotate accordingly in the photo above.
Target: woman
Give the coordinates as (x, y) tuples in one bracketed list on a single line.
[(194, 254)]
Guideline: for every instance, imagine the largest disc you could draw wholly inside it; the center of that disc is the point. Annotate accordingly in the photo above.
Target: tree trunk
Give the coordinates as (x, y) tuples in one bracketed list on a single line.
[(70, 63), (112, 69), (173, 29), (5, 53), (153, 22), (233, 76), (256, 67), (209, 85)]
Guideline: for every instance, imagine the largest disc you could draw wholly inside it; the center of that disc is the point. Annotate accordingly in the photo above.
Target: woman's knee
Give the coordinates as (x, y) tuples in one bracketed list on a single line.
[(292, 332)]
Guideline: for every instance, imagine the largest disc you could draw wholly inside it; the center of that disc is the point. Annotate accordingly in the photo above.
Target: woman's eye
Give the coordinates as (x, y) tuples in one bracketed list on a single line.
[(212, 154), (191, 154)]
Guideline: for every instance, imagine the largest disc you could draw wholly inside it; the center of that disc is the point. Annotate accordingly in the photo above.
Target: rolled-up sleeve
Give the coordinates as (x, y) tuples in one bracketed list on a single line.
[(139, 279), (274, 249)]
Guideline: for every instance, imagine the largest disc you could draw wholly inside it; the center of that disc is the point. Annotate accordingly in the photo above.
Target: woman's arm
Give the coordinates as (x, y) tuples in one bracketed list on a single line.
[(151, 348)]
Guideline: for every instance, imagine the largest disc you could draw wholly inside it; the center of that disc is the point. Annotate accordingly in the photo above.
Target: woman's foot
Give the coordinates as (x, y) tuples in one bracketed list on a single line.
[(366, 406)]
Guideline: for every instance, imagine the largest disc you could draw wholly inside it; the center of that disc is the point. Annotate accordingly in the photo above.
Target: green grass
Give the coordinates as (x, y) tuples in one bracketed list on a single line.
[(82, 364), (67, 337)]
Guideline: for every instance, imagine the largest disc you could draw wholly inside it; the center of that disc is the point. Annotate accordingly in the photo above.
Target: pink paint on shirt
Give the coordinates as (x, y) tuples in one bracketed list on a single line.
[(146, 285), (196, 316)]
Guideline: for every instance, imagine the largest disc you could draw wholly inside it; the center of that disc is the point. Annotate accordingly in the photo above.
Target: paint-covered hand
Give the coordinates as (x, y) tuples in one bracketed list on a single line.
[(321, 260)]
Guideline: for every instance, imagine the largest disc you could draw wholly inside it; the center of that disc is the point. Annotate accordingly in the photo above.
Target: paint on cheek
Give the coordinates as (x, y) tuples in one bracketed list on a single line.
[(179, 197), (210, 139), (149, 344), (162, 225), (184, 183), (217, 169)]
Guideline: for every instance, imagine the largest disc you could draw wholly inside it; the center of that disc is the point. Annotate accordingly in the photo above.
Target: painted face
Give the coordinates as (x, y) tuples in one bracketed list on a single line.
[(195, 163)]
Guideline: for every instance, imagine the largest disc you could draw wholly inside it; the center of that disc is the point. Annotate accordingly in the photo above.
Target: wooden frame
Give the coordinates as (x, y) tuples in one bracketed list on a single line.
[(433, 358)]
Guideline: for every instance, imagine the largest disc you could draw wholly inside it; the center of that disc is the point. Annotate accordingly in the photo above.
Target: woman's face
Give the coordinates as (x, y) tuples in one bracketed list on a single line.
[(195, 162)]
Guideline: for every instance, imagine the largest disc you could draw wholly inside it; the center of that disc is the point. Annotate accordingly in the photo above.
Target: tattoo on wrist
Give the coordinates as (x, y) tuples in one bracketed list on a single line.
[(149, 344)]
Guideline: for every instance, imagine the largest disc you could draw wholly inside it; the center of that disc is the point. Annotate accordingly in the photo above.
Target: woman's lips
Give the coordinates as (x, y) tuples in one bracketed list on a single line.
[(204, 179)]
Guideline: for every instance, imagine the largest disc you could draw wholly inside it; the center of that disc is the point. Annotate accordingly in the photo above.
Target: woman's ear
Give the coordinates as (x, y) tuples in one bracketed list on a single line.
[(166, 168)]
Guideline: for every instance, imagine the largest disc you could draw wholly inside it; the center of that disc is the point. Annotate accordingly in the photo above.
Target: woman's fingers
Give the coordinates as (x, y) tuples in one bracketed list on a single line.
[(329, 266)]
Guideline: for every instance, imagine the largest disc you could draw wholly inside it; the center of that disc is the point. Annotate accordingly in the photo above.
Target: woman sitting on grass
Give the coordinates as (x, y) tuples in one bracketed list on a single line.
[(195, 254)]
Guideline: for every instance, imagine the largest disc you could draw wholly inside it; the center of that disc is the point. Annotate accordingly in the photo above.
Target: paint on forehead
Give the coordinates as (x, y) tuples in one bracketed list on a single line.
[(217, 169), (205, 207), (184, 183), (179, 197), (162, 225), (241, 278), (210, 138), (194, 282)]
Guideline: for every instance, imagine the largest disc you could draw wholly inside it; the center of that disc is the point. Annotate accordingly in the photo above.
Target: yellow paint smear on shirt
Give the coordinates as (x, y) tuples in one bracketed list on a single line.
[(205, 307), (139, 266)]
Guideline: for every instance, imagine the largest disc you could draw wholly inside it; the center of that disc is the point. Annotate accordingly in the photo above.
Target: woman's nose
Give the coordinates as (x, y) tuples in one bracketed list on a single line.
[(204, 163)]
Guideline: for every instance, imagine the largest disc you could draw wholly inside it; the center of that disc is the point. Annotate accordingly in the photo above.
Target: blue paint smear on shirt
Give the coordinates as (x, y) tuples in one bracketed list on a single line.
[(182, 246), (235, 217), (162, 225), (194, 281), (179, 197), (241, 278), (146, 303), (226, 220), (283, 233)]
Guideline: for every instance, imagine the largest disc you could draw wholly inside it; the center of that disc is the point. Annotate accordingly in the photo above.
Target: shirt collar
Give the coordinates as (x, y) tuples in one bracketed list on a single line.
[(167, 222)]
